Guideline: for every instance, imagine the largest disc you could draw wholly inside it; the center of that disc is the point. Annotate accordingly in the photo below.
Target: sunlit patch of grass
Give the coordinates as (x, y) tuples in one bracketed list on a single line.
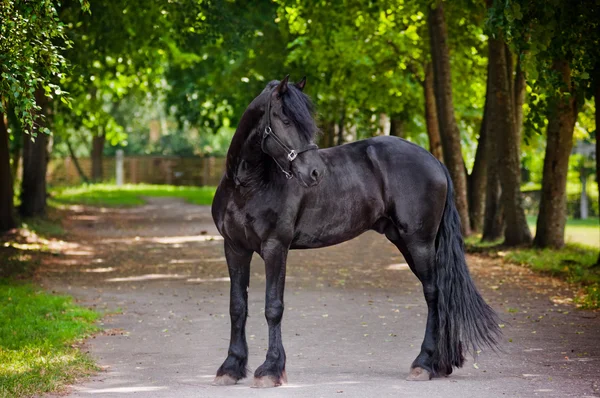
[(38, 334), (577, 231), (46, 227), (110, 195)]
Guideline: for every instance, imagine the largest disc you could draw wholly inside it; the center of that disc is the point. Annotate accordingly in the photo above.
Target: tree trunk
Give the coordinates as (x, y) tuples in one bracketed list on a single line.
[(519, 93), (342, 122), (17, 134), (508, 143), (76, 163), (97, 152), (477, 181), (562, 114), (431, 116), (597, 103), (7, 213), (397, 126), (449, 132), (35, 162), (493, 221)]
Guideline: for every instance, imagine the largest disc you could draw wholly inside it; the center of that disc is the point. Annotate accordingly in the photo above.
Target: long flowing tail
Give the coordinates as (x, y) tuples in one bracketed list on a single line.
[(465, 322)]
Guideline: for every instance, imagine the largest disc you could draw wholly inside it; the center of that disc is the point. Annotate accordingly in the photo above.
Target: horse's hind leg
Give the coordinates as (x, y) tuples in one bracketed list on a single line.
[(420, 256), (234, 367)]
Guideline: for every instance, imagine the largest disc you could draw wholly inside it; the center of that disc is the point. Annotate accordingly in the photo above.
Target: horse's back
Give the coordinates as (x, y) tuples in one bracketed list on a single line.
[(411, 182)]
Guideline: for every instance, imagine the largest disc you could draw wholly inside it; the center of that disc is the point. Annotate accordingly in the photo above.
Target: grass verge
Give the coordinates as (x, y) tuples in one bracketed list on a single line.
[(38, 337), (573, 263), (110, 195)]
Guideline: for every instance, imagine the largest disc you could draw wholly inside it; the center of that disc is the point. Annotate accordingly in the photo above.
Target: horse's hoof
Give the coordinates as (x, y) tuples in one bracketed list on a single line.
[(269, 381), (418, 374), (224, 380)]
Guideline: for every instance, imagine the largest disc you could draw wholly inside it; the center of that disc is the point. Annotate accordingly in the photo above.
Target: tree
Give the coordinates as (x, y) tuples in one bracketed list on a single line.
[(562, 114), (7, 216), (30, 63), (503, 128), (558, 41), (431, 116), (449, 132), (478, 179), (597, 114), (35, 161)]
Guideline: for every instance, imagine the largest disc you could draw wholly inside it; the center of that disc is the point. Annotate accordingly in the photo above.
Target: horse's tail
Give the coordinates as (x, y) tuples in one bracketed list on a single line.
[(465, 322)]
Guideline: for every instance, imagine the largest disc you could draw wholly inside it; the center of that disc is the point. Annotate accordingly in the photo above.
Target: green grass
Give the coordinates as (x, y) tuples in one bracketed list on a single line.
[(586, 232), (109, 195), (37, 334)]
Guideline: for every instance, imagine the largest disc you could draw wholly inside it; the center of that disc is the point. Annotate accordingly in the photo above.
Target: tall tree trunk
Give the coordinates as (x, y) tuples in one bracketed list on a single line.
[(503, 127), (477, 181), (17, 133), (7, 210), (431, 116), (397, 126), (341, 124), (35, 163), (97, 155), (76, 163), (493, 221), (519, 92), (327, 137), (562, 114), (440, 55), (597, 103)]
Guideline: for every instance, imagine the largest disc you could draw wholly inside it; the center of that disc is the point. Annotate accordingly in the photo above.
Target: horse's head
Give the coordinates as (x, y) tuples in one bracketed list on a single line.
[(288, 135)]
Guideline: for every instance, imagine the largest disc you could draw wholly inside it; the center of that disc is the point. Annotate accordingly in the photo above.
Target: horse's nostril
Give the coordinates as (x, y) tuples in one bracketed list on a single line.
[(315, 174)]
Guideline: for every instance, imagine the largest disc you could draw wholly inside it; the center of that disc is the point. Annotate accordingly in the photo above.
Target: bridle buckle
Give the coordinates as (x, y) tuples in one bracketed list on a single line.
[(292, 155)]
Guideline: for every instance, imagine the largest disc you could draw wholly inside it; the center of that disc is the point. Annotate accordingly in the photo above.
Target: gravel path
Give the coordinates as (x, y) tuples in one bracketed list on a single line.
[(354, 318)]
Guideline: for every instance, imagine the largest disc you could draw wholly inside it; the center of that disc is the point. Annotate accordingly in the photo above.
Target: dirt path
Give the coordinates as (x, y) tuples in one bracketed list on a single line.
[(354, 319)]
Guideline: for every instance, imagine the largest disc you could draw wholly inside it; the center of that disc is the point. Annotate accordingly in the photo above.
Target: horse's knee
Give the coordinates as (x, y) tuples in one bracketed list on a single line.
[(274, 311), (237, 310)]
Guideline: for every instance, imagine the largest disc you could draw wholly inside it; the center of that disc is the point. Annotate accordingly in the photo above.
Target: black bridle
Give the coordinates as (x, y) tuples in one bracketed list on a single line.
[(291, 153)]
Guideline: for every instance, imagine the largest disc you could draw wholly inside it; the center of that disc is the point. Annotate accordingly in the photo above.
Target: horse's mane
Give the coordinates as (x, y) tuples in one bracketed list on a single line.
[(245, 144)]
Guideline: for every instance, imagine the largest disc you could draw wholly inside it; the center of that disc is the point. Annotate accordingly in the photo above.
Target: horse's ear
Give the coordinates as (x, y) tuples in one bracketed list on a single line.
[(283, 86), (300, 85)]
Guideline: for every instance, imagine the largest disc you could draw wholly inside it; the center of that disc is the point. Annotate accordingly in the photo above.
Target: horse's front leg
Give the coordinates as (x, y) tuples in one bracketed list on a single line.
[(272, 372), (234, 367)]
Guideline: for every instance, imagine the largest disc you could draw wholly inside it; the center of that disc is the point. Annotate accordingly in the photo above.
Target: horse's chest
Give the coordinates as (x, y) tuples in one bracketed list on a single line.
[(250, 226)]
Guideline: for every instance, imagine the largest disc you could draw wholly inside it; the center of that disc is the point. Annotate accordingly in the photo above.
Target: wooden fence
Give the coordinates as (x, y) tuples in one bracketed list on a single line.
[(173, 170)]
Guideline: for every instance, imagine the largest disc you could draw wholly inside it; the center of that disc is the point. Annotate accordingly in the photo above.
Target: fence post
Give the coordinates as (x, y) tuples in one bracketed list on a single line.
[(583, 202), (119, 163)]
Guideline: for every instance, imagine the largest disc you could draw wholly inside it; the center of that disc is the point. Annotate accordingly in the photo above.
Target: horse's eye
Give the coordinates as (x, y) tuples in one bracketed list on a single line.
[(286, 122)]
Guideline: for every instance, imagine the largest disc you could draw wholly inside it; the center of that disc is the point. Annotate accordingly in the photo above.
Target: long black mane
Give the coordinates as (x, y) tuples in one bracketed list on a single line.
[(245, 144)]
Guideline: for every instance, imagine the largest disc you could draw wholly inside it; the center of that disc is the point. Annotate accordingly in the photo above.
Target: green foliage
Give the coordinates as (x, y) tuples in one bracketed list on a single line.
[(362, 59), (33, 39), (130, 195), (544, 32), (211, 84), (37, 333)]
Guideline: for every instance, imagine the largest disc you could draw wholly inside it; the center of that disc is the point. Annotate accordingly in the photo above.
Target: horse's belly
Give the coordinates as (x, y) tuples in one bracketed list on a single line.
[(304, 240), (322, 230)]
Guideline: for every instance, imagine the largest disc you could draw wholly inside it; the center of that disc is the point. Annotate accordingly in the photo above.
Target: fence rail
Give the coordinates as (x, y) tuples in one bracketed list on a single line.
[(197, 171)]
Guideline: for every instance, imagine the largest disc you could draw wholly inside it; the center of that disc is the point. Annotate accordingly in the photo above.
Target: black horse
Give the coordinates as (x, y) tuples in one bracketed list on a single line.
[(280, 192)]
